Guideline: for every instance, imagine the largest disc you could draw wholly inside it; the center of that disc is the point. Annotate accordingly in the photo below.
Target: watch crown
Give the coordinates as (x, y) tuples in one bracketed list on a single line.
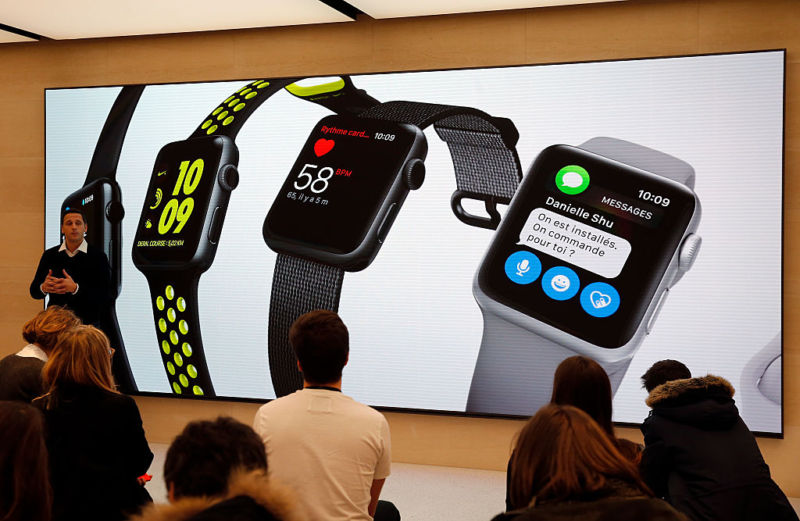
[(689, 250), (228, 177), (414, 173)]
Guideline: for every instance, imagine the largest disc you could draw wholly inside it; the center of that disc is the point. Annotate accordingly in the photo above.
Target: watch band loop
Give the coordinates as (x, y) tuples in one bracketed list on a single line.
[(298, 286), (482, 147)]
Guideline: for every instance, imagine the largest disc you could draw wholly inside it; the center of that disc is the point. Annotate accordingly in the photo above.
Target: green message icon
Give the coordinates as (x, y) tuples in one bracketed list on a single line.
[(572, 179)]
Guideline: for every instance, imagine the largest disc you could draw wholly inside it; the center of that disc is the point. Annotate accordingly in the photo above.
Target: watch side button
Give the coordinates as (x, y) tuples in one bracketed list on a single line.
[(660, 304), (388, 220), (216, 226)]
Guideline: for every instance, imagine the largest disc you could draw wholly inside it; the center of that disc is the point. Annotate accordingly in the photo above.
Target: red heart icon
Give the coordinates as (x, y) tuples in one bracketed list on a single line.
[(323, 146)]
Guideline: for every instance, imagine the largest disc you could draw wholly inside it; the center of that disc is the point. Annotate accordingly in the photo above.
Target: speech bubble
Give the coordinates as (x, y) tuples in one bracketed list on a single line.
[(571, 180), (575, 242)]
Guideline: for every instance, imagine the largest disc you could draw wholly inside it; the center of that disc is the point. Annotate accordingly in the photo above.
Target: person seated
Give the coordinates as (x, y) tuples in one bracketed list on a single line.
[(700, 455), (25, 493), (21, 373), (581, 382), (94, 434), (332, 450), (566, 467), (217, 470)]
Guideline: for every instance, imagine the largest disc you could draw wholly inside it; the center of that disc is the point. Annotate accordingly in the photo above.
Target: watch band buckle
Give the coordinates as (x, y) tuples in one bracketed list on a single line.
[(490, 222)]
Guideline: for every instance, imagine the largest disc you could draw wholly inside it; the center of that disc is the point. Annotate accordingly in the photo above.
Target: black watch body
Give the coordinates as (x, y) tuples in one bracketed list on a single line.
[(345, 189), (185, 205), (101, 203)]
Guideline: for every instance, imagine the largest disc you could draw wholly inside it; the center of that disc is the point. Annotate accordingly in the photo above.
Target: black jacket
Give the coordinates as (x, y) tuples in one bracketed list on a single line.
[(250, 497), (89, 270), (701, 456), (622, 502), (97, 450)]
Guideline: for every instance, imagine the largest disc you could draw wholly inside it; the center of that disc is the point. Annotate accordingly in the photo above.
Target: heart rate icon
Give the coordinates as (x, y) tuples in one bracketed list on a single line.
[(323, 146), (599, 300)]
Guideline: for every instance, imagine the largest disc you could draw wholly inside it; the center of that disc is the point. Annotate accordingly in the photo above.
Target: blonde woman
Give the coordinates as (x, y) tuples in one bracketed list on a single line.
[(94, 434), (21, 373)]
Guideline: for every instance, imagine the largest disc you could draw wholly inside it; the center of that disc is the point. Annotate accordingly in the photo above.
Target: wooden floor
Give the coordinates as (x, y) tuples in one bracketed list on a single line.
[(420, 492)]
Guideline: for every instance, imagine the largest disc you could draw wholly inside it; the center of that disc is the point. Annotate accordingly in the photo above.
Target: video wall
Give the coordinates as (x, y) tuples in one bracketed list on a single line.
[(472, 227)]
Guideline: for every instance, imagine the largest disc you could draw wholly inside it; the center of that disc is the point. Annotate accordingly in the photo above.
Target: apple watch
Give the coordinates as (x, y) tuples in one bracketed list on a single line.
[(592, 242), (182, 219), (338, 203), (100, 200)]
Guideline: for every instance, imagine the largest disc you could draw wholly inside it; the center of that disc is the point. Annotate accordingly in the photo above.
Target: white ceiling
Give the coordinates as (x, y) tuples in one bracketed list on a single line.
[(71, 19), (388, 9)]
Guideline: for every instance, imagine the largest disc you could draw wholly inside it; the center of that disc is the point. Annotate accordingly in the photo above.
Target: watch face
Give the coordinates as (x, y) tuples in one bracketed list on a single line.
[(585, 244), (181, 198), (100, 202), (340, 185)]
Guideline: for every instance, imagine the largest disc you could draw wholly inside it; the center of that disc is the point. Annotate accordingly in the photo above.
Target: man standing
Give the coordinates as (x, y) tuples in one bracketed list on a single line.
[(74, 275), (333, 451), (700, 455)]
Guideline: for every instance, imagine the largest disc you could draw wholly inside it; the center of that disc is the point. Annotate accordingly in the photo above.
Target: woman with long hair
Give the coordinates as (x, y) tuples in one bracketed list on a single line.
[(21, 373), (581, 382), (24, 478), (565, 466), (94, 434)]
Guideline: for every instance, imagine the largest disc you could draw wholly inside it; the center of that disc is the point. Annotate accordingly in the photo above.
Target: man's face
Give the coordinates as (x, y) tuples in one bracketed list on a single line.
[(73, 227)]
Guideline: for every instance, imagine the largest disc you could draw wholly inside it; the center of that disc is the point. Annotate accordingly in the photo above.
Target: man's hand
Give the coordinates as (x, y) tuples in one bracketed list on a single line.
[(61, 286), (49, 284)]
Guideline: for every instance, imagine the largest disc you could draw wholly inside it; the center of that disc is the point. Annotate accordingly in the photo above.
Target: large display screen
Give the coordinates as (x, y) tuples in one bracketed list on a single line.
[(415, 327)]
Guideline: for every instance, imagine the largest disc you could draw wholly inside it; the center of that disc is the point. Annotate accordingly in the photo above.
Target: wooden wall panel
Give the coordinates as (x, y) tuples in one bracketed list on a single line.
[(635, 28)]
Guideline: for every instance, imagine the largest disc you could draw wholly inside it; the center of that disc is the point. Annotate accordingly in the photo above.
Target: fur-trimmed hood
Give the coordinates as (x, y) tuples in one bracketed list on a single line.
[(272, 496), (705, 402)]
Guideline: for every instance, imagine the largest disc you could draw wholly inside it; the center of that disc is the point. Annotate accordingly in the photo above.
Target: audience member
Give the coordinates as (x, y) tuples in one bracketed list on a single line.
[(700, 455), (333, 451), (24, 478), (21, 373), (94, 434), (566, 467), (581, 382), (217, 470)]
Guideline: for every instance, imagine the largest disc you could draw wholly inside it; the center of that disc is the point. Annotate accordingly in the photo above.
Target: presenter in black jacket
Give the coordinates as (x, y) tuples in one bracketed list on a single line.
[(74, 275)]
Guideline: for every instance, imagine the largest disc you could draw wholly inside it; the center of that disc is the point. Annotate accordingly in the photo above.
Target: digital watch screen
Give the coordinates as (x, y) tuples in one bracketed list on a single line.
[(182, 187), (585, 244), (339, 185)]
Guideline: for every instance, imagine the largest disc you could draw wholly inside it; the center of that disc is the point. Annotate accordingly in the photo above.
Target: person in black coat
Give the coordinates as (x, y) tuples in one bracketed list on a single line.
[(97, 445), (700, 455), (217, 471), (74, 274), (21, 373)]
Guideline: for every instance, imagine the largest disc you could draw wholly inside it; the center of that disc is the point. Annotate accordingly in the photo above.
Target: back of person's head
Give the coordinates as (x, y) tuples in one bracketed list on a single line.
[(81, 356), (664, 371), (583, 383), (321, 343), (202, 458), (25, 494), (44, 328), (563, 454)]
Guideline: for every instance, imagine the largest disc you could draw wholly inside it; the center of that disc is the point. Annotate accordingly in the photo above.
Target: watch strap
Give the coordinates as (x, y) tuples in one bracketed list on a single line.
[(482, 147), (174, 300), (298, 286), (515, 368), (339, 96), (228, 117), (109, 144), (643, 158), (120, 366)]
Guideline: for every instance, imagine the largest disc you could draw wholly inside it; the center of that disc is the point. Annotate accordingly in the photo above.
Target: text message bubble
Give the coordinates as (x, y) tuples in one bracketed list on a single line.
[(575, 242)]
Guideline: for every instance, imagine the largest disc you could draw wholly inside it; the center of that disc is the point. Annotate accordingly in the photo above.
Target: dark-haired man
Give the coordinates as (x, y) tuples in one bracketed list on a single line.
[(333, 451), (700, 455), (217, 471), (74, 275)]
